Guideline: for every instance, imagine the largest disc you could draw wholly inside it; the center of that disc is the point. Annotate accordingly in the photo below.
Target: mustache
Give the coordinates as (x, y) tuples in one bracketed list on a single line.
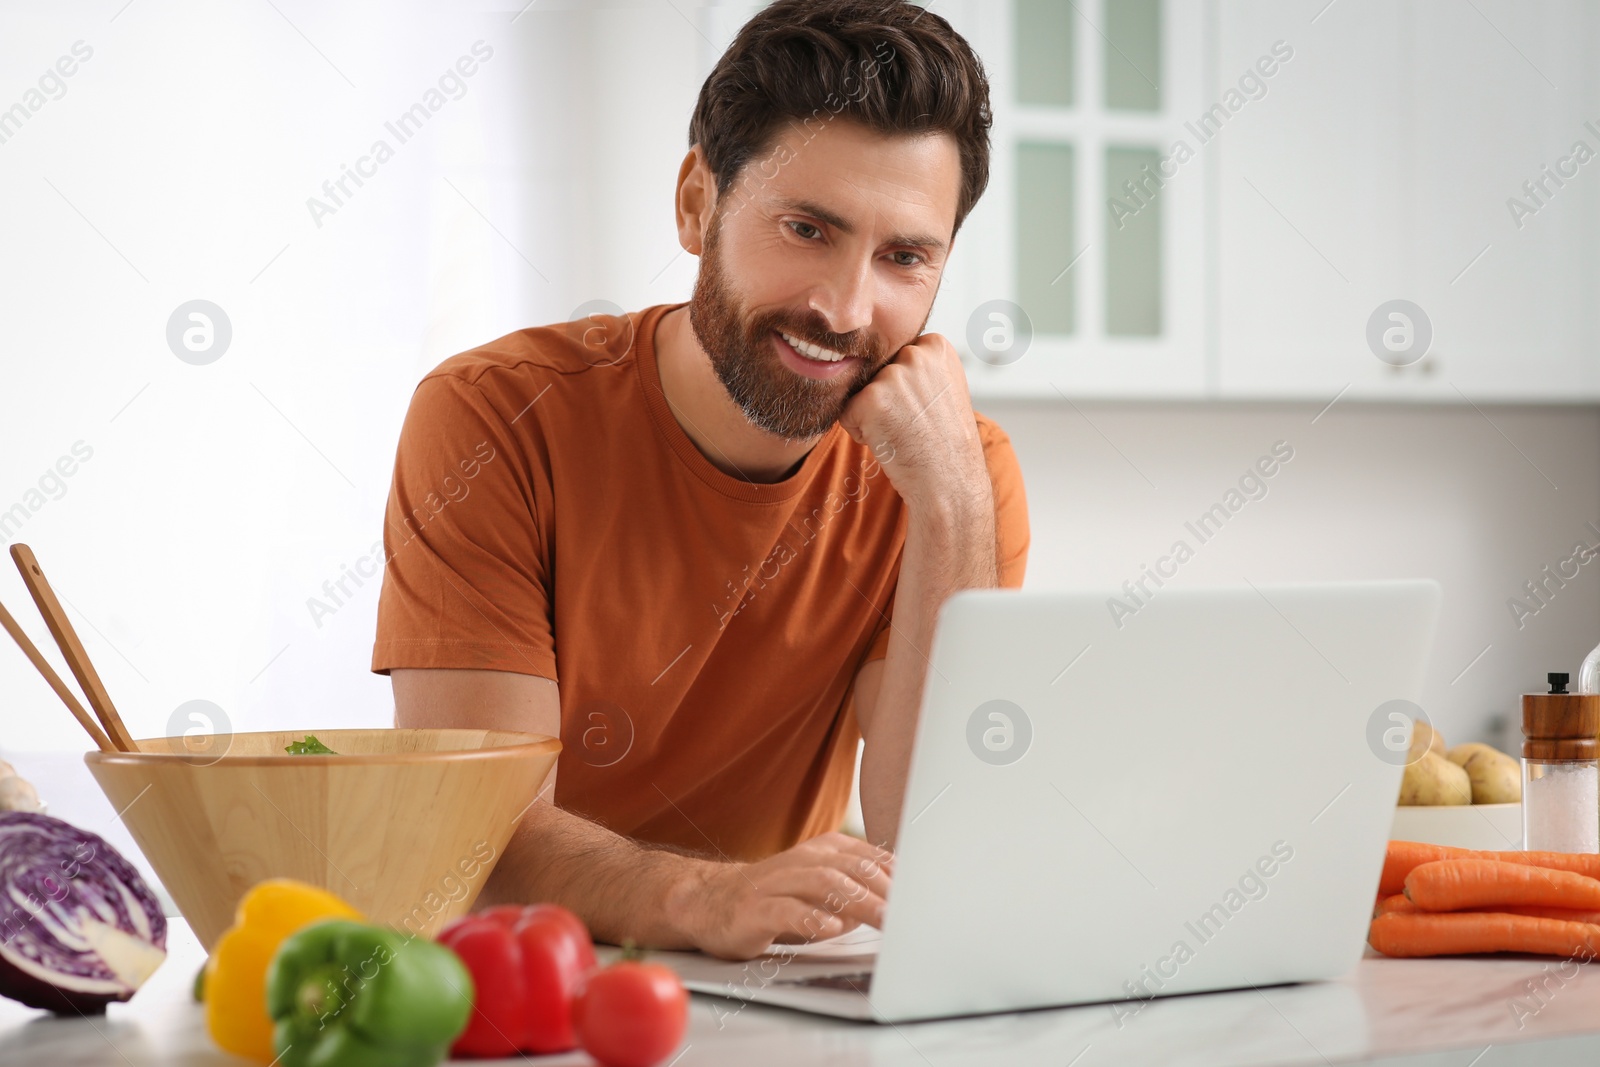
[(850, 344)]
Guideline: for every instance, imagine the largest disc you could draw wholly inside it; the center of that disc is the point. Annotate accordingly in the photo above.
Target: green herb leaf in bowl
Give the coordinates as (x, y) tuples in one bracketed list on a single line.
[(309, 747)]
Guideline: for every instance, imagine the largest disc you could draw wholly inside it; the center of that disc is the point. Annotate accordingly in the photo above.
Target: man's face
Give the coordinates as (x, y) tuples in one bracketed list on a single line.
[(836, 236)]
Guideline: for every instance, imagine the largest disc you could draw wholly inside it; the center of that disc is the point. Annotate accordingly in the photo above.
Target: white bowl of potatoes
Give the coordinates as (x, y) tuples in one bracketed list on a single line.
[(1469, 796)]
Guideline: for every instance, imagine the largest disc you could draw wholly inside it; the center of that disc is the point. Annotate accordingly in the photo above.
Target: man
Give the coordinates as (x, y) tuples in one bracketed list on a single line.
[(677, 538)]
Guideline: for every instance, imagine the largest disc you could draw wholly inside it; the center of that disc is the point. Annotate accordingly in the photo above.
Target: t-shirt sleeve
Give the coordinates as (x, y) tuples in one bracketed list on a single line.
[(466, 582), (1010, 522)]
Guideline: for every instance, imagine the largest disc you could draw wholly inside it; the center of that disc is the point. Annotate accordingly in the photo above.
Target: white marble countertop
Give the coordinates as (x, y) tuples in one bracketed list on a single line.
[(1423, 1013)]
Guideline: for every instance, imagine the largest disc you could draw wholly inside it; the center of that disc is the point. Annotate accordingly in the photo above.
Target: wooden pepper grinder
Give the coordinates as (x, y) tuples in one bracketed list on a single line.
[(1560, 770)]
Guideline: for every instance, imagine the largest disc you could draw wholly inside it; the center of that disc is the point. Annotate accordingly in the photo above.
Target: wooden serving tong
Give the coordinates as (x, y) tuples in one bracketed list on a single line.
[(114, 737)]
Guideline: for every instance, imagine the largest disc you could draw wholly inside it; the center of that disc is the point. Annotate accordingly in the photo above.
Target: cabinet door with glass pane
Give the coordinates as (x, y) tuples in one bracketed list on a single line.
[(1086, 254)]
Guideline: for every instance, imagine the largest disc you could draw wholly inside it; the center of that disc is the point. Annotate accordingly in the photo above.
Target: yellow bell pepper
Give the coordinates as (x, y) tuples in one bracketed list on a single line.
[(236, 973)]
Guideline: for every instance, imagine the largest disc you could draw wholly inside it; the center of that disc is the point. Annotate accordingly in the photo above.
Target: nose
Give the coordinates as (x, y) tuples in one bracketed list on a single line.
[(845, 300)]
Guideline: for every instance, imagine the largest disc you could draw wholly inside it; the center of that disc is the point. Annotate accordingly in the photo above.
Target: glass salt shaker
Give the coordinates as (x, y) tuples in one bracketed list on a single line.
[(1560, 770)]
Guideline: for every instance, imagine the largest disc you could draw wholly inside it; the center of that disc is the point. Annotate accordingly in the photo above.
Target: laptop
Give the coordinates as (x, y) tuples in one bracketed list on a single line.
[(1111, 805)]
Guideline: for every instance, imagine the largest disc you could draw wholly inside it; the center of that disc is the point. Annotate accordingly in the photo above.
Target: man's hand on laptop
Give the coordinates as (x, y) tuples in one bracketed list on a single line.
[(818, 889)]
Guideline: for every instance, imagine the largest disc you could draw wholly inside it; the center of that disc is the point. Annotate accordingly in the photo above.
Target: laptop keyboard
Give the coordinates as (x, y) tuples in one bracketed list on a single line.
[(858, 981)]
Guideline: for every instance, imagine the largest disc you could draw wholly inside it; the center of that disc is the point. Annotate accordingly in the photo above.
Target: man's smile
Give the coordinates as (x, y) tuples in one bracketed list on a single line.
[(815, 351), (829, 365)]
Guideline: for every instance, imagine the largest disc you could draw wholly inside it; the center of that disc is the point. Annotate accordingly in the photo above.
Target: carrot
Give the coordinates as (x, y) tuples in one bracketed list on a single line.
[(1402, 904), (1404, 856), (1395, 902), (1584, 863), (1460, 933), (1454, 885), (1571, 915)]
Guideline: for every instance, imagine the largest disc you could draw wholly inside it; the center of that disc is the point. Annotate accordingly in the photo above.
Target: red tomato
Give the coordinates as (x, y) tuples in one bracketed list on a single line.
[(631, 1014), (528, 964)]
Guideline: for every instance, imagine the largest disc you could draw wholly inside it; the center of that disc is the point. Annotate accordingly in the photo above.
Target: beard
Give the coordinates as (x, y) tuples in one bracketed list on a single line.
[(744, 355)]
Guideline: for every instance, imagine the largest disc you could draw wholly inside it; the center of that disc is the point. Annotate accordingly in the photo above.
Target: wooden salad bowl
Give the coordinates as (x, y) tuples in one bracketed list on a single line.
[(404, 824)]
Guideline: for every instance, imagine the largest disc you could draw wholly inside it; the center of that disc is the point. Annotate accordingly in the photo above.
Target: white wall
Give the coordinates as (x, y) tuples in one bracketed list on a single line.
[(1480, 500)]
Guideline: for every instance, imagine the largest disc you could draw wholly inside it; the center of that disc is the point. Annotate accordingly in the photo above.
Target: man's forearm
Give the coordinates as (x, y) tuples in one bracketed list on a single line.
[(620, 889), (949, 547)]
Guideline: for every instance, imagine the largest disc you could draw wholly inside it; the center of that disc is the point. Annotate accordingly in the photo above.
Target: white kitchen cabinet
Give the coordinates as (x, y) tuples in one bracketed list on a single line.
[(1377, 163), (1492, 114), (1379, 167)]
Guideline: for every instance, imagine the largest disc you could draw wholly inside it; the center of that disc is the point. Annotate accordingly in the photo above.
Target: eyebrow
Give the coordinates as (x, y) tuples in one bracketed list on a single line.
[(838, 222)]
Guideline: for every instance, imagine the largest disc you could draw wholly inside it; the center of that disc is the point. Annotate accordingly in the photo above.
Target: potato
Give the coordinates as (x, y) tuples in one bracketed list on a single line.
[(1424, 738), (1421, 735), (1496, 777), (1432, 780), (1458, 754)]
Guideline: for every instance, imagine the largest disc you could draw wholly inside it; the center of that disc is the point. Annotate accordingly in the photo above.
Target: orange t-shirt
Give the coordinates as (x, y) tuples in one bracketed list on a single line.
[(549, 516)]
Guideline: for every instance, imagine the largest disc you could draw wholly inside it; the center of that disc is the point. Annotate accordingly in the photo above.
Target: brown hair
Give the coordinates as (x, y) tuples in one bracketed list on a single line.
[(888, 64)]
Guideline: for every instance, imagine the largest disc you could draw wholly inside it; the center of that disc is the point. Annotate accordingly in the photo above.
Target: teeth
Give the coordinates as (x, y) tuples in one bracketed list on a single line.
[(806, 348)]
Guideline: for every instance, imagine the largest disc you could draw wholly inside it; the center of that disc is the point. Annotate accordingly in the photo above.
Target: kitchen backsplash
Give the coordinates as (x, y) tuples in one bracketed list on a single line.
[(1498, 503)]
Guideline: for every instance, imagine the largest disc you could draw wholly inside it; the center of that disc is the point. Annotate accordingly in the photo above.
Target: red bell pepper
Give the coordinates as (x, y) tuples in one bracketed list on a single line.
[(528, 964)]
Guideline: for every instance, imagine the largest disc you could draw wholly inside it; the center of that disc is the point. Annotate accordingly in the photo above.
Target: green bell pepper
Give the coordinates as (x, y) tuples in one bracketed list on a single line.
[(348, 994)]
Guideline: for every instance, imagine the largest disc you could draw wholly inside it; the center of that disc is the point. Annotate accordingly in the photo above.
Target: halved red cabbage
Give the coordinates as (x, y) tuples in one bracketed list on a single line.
[(78, 927)]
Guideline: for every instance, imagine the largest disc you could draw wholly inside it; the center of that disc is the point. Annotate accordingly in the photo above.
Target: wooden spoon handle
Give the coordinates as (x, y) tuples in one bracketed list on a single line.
[(84, 718), (71, 647)]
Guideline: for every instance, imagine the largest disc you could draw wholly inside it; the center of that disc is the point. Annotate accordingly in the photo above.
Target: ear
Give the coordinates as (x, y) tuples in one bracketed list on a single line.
[(695, 201)]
